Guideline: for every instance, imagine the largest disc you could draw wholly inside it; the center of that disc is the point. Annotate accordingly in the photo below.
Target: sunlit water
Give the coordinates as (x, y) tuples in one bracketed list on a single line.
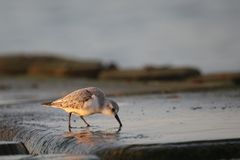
[(149, 119), (131, 33)]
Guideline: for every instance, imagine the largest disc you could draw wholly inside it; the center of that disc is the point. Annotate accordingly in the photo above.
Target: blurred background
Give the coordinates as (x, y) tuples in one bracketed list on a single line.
[(143, 54), (131, 33)]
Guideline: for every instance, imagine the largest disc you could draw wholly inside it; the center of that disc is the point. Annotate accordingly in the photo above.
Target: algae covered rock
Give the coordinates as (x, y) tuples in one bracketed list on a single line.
[(151, 73), (48, 66)]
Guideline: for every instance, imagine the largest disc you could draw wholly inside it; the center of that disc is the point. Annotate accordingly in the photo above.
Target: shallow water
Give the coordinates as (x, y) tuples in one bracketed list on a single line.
[(147, 119)]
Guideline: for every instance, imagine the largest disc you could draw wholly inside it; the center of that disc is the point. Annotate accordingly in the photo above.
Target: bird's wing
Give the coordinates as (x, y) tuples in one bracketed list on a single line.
[(99, 93), (74, 99)]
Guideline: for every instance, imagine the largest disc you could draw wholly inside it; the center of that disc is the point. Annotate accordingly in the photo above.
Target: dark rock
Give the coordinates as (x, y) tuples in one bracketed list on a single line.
[(202, 150), (150, 74), (11, 147), (49, 66), (111, 66), (236, 80), (216, 77)]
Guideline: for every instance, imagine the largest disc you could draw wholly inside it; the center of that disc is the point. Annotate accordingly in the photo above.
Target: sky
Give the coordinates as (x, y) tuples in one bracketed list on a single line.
[(132, 33)]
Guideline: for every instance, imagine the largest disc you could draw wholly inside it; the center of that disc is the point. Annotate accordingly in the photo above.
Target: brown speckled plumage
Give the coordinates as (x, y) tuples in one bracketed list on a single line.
[(77, 98)]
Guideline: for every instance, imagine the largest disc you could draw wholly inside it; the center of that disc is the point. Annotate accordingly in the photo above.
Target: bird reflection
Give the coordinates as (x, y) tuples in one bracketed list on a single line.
[(88, 136)]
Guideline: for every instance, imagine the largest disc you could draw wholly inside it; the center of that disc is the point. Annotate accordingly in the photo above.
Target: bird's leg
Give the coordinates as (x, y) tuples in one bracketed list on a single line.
[(69, 120), (88, 125)]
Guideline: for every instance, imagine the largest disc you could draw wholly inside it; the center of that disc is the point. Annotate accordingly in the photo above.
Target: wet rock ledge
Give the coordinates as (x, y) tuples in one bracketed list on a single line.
[(202, 150), (53, 146), (12, 150), (169, 128)]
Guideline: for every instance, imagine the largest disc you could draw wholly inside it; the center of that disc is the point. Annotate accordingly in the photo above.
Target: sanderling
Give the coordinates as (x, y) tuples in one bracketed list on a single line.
[(85, 102)]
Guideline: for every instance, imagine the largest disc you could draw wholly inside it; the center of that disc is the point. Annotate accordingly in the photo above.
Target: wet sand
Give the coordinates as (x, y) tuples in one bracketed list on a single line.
[(149, 121)]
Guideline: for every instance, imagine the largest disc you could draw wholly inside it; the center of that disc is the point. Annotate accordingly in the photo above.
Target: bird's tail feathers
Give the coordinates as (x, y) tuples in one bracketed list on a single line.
[(47, 103)]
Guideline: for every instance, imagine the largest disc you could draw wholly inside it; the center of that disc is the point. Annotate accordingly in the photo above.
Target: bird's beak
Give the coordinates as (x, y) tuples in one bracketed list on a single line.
[(116, 116)]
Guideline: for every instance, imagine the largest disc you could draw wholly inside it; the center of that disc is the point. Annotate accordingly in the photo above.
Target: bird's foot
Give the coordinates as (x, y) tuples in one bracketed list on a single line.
[(70, 127), (87, 126)]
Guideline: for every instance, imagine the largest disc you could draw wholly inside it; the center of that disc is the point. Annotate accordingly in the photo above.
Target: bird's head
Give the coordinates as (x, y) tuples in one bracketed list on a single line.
[(111, 108)]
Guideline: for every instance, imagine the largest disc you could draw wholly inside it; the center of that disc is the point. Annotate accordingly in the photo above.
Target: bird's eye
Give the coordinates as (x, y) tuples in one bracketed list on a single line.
[(113, 109)]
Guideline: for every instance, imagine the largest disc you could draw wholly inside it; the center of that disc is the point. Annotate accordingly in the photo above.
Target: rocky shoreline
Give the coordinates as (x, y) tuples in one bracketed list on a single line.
[(21, 64)]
